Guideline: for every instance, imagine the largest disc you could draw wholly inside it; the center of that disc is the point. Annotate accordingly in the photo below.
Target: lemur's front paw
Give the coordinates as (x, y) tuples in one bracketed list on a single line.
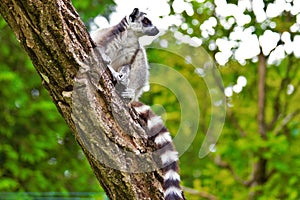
[(106, 59), (114, 73), (123, 79), (123, 76)]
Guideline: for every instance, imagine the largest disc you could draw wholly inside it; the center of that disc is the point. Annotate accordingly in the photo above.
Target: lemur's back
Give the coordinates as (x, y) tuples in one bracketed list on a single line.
[(116, 43)]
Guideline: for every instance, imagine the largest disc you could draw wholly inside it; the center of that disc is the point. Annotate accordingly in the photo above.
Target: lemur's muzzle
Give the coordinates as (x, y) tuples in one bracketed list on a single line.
[(154, 31)]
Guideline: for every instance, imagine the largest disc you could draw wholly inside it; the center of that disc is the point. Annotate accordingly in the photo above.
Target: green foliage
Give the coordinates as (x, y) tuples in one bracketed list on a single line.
[(35, 141), (91, 8), (37, 150)]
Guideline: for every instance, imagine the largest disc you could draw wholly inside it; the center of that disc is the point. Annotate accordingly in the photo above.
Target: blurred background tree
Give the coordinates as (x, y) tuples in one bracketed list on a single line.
[(256, 47)]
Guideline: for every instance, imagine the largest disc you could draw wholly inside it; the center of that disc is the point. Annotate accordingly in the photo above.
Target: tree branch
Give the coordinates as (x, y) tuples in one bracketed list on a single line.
[(63, 54), (277, 102)]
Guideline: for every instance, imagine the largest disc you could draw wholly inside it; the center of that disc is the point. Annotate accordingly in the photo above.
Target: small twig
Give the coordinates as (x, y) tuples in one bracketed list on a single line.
[(271, 173), (285, 121), (199, 193)]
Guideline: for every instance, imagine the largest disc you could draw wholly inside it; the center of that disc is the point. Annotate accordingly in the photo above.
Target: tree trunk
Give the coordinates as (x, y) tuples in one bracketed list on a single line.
[(108, 131), (262, 71), (259, 169)]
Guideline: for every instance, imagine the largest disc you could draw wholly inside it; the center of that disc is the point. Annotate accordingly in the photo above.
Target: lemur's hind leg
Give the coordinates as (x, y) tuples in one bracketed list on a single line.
[(122, 75), (138, 77)]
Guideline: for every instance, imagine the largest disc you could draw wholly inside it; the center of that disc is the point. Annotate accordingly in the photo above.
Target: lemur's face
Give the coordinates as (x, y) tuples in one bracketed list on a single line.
[(140, 23)]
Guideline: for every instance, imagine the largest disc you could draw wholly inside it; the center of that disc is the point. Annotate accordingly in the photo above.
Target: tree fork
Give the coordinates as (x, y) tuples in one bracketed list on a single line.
[(58, 44)]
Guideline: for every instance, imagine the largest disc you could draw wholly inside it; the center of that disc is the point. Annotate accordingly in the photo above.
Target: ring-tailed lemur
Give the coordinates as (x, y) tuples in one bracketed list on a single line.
[(127, 61), (125, 57)]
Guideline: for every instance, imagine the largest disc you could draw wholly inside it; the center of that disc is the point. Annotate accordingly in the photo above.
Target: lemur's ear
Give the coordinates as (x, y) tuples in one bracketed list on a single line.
[(133, 15)]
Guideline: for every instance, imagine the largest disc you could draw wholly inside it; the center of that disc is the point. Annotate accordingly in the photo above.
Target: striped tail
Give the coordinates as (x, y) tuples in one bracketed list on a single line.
[(168, 156)]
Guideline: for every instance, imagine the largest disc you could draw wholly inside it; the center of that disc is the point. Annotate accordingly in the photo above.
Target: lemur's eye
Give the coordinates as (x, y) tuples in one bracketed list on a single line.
[(146, 22)]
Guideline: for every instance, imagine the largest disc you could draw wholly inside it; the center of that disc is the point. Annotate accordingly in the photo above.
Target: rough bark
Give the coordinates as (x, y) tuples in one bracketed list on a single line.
[(63, 54)]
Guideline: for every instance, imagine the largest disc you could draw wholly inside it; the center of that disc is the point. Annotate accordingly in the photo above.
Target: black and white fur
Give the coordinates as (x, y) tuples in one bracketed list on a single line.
[(127, 60), (125, 57), (160, 135)]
